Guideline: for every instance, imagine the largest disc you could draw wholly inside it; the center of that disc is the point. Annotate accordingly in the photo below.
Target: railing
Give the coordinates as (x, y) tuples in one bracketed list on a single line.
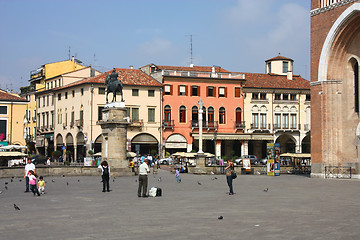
[(240, 125), (203, 74), (137, 123), (168, 124), (195, 124), (285, 127), (260, 126), (337, 172), (79, 123), (36, 74)]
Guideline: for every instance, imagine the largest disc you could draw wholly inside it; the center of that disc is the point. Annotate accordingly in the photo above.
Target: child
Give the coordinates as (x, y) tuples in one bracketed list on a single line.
[(41, 185), (105, 174), (177, 175), (32, 183)]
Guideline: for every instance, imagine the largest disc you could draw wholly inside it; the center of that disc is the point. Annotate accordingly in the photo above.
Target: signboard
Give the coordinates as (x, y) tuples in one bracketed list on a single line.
[(246, 163), (175, 145), (273, 156)]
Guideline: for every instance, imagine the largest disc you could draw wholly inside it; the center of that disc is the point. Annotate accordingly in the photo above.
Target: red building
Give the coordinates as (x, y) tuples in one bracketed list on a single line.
[(221, 93)]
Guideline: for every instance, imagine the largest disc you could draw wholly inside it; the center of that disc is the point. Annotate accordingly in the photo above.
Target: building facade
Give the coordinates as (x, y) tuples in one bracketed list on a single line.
[(335, 58), (12, 116)]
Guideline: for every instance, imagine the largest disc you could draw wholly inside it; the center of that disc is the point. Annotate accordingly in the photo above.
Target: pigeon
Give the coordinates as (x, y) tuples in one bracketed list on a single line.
[(6, 183), (199, 183), (53, 180), (215, 177), (159, 179), (63, 175), (220, 217), (20, 180), (16, 207), (78, 180), (113, 180), (67, 183), (135, 180), (12, 177), (266, 189), (6, 187), (11, 180)]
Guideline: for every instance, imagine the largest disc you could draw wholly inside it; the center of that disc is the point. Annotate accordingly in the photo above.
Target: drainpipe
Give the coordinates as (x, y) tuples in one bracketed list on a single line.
[(11, 124)]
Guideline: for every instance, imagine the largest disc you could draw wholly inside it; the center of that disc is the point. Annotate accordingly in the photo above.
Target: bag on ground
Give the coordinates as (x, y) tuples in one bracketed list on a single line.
[(152, 192), (158, 192)]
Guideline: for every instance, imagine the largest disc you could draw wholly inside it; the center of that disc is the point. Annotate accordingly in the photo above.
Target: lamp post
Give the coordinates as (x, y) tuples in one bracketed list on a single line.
[(201, 104)]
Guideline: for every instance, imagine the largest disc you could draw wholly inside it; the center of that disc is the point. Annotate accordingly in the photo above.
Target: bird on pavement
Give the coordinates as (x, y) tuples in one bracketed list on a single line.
[(266, 189), (6, 187), (53, 180), (199, 183), (16, 207), (67, 183), (220, 217), (159, 179)]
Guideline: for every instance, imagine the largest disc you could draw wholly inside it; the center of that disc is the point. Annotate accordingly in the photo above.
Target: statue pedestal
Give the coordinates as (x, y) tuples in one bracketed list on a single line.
[(200, 164), (114, 130)]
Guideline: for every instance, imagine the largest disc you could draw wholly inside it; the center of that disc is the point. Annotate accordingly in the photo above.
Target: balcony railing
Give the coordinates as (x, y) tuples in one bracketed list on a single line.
[(36, 74), (260, 126), (239, 125), (79, 123), (168, 124), (206, 124), (285, 127), (137, 123)]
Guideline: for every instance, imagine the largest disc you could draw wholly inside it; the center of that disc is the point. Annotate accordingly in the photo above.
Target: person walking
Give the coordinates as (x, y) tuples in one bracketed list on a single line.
[(143, 178), (177, 175), (105, 175), (32, 182), (229, 179), (29, 166), (41, 185)]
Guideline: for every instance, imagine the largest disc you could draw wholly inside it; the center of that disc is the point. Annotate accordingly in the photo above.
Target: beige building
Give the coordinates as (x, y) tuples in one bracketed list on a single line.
[(78, 106), (276, 109), (12, 115)]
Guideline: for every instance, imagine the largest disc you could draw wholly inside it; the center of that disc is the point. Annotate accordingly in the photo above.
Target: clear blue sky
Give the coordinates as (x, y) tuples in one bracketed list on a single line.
[(238, 35)]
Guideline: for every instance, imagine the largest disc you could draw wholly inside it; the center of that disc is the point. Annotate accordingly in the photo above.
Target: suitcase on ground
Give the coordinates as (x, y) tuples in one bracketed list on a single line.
[(158, 192)]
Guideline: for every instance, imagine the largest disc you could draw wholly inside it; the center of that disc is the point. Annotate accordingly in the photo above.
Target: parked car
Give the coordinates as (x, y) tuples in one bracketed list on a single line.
[(253, 160), (263, 161), (165, 161)]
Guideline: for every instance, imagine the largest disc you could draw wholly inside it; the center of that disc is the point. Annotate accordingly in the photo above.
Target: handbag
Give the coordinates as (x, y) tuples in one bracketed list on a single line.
[(233, 175)]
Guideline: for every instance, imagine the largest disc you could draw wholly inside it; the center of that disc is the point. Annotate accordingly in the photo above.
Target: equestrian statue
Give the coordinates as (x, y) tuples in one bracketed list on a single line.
[(113, 85)]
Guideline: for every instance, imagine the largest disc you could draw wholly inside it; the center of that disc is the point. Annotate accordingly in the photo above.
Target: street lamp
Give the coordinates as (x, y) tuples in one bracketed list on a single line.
[(201, 104)]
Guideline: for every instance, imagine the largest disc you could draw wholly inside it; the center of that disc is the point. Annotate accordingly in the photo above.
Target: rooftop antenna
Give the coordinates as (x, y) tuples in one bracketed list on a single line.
[(69, 53), (191, 50), (94, 60)]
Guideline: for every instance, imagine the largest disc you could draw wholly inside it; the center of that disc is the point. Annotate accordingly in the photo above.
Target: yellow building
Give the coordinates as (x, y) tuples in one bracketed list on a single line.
[(37, 81), (12, 109)]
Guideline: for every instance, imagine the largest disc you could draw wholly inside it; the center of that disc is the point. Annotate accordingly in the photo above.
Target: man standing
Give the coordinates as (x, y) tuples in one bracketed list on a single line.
[(143, 179), (29, 166)]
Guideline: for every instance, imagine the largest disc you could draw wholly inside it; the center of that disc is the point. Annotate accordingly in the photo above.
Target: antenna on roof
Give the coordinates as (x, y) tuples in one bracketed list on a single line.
[(191, 50), (94, 59), (69, 53)]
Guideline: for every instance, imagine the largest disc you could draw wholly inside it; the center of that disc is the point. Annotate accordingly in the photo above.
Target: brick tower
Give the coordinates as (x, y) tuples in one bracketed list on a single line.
[(335, 93)]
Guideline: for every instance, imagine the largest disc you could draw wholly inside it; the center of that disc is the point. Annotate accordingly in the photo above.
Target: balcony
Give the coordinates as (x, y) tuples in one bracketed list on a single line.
[(240, 125), (79, 123), (205, 124), (287, 127), (137, 123), (37, 74), (168, 125), (27, 89)]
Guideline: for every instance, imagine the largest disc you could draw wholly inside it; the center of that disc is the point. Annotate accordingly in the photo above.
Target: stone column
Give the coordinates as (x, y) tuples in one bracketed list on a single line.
[(114, 130)]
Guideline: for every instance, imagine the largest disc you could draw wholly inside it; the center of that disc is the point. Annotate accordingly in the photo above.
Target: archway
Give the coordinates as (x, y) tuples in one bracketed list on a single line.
[(305, 144), (176, 143), (69, 145), (80, 147), (287, 143), (59, 142), (145, 143), (97, 143)]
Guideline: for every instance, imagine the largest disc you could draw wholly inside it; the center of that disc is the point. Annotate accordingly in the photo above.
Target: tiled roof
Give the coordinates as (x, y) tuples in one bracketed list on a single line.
[(5, 96), (127, 77), (260, 80), (279, 58), (191, 69)]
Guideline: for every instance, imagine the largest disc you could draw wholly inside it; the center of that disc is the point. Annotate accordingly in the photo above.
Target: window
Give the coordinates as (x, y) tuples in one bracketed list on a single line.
[(151, 114), (222, 113), (38, 102), (286, 121), (82, 91), (182, 114), (277, 96), (34, 116), (285, 67), (184, 74), (3, 129), (59, 96), (211, 115), (269, 67), (255, 120), (81, 115), (52, 118), (43, 119), (293, 121), (182, 90), (238, 115), (167, 113), (43, 101), (47, 85), (293, 97), (262, 96), (263, 120), (52, 84), (101, 91), (285, 96), (195, 91), (47, 100), (211, 92), (194, 115), (153, 69), (222, 91), (237, 92), (3, 109), (277, 121), (73, 93), (151, 93), (307, 97), (72, 118), (255, 96), (65, 95), (134, 92), (135, 114), (100, 113), (168, 89)]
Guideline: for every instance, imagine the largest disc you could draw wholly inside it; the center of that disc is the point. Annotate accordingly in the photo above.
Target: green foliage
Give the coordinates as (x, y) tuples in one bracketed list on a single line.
[(90, 152), (68, 153), (153, 152), (67, 163), (225, 158), (57, 154)]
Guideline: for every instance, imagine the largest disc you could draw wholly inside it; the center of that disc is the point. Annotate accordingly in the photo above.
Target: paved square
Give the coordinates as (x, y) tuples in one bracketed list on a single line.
[(295, 207)]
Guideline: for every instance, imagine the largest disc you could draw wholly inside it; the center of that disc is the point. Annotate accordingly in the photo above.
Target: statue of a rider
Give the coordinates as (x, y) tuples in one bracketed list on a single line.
[(113, 85)]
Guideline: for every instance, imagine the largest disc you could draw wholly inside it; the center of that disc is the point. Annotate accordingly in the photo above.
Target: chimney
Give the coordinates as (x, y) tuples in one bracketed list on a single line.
[(131, 67), (191, 65), (213, 69), (72, 58), (289, 75)]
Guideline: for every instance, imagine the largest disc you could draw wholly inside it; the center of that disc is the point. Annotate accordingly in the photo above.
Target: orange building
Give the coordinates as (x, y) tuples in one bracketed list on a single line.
[(221, 93)]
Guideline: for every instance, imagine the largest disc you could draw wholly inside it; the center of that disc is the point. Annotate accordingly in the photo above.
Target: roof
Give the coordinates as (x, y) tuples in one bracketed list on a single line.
[(261, 80), (279, 58), (190, 69), (12, 97), (127, 77)]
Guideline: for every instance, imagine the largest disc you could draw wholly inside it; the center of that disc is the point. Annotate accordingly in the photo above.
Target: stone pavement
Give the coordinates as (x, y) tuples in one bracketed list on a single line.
[(295, 207)]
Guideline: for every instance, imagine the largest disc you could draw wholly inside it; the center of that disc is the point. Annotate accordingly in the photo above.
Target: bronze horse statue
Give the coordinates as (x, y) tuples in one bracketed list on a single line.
[(113, 85)]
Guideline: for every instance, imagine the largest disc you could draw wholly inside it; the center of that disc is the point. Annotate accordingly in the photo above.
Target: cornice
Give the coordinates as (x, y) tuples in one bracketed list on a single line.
[(318, 11)]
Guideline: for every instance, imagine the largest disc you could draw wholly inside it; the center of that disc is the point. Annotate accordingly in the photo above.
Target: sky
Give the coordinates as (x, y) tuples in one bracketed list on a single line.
[(238, 35)]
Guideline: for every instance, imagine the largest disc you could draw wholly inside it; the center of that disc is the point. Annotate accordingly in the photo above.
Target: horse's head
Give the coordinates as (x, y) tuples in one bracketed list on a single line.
[(107, 79)]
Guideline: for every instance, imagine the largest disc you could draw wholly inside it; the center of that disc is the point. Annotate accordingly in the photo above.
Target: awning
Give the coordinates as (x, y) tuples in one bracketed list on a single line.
[(296, 155), (12, 154), (13, 147)]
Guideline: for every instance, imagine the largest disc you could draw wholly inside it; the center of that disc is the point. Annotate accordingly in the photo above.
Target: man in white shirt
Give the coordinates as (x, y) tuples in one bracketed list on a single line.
[(143, 178), (29, 166)]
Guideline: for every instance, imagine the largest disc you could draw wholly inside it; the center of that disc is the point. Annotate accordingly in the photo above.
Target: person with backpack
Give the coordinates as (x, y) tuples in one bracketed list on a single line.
[(105, 175)]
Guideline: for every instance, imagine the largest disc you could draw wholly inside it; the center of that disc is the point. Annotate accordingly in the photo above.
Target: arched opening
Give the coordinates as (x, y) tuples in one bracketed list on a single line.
[(222, 115), (355, 68), (59, 142), (305, 144), (176, 143), (147, 144), (287, 143), (97, 144), (80, 147), (182, 114)]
